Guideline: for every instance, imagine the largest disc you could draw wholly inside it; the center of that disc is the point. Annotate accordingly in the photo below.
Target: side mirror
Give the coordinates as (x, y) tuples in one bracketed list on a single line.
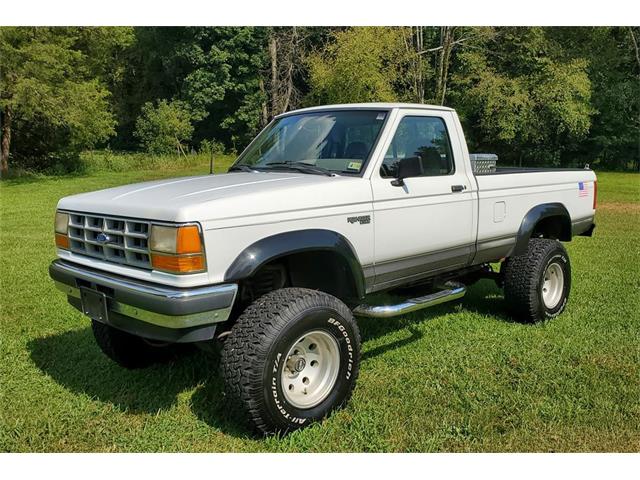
[(407, 168)]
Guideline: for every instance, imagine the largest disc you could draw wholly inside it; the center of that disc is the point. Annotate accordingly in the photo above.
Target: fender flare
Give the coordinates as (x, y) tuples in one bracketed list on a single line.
[(531, 219), (276, 246)]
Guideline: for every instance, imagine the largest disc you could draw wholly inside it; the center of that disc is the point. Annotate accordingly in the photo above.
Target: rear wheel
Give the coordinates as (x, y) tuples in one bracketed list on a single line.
[(291, 359), (130, 351), (537, 284)]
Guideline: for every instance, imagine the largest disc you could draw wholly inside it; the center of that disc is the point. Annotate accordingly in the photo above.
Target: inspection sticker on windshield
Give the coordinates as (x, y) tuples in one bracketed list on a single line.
[(354, 165)]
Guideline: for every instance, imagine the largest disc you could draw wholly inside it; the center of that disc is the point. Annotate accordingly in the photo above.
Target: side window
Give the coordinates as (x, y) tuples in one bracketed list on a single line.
[(422, 137)]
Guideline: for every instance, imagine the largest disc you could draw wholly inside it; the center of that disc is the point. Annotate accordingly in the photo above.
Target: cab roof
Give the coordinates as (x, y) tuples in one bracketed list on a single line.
[(367, 106)]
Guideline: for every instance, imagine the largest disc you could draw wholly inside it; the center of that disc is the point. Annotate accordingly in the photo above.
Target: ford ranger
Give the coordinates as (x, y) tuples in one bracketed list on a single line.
[(275, 258)]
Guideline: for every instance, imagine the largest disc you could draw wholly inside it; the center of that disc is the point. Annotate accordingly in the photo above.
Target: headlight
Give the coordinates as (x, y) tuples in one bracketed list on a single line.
[(61, 228), (62, 223), (177, 249)]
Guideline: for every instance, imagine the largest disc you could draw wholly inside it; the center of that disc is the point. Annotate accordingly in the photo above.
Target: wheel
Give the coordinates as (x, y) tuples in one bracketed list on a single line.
[(291, 359), (537, 284), (128, 350)]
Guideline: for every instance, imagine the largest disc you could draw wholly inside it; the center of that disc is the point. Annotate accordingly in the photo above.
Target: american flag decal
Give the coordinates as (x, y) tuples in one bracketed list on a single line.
[(582, 190)]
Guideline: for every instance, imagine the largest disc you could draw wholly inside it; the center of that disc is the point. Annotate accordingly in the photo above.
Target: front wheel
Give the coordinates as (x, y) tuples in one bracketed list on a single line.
[(537, 284), (130, 351), (291, 359)]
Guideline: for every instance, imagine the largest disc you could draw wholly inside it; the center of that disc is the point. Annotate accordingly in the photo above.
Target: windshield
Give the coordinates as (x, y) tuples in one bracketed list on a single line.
[(338, 141)]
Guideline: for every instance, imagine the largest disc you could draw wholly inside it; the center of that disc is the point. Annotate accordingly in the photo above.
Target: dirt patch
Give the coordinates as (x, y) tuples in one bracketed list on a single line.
[(620, 207)]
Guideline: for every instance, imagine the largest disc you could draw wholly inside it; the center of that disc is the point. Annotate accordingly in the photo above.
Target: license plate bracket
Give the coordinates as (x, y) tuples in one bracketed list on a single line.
[(94, 304)]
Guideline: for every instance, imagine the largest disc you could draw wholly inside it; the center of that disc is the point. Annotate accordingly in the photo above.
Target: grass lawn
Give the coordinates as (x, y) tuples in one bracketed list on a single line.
[(459, 377)]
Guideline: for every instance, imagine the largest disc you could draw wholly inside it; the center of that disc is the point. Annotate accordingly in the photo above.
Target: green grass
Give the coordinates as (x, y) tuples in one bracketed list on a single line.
[(459, 377), (99, 162)]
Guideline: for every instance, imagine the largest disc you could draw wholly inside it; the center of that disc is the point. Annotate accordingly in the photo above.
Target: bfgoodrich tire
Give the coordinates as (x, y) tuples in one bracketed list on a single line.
[(291, 359), (537, 284), (129, 351)]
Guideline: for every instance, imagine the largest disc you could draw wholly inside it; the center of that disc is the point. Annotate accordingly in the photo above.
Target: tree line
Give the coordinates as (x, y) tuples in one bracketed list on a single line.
[(536, 96)]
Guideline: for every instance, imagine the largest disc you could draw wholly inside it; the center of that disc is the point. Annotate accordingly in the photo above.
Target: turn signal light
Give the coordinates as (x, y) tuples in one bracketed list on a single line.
[(62, 241), (177, 249), (188, 240), (177, 264)]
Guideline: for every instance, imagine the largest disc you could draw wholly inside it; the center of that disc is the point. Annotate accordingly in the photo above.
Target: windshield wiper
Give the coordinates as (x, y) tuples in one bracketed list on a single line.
[(301, 167), (241, 168)]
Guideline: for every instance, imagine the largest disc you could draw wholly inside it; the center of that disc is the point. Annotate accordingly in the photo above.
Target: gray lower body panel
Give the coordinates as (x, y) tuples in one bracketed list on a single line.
[(146, 309), (398, 272), (583, 226), (493, 249)]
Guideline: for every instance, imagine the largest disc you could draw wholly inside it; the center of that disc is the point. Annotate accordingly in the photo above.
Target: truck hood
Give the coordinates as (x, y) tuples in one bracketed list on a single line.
[(214, 197)]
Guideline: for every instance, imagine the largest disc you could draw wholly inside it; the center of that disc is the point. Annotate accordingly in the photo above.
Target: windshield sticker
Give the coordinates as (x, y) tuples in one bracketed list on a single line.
[(380, 116), (354, 165)]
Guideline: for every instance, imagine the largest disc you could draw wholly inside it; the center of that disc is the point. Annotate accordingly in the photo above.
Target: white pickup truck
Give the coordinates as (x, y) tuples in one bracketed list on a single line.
[(326, 206)]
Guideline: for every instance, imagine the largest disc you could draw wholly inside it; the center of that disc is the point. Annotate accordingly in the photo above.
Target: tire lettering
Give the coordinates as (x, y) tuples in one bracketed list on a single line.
[(274, 394), (345, 334), (275, 364)]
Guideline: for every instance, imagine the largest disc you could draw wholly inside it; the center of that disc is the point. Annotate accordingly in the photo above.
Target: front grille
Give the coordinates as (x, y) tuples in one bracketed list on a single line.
[(127, 240)]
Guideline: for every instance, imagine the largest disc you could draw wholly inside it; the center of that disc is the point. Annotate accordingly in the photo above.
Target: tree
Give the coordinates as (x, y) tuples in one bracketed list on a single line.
[(162, 129), (520, 93), (47, 79), (614, 71), (363, 64), (214, 71), (551, 95), (287, 50), (418, 66)]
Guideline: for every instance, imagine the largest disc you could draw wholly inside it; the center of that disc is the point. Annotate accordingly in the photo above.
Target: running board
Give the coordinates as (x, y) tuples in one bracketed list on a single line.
[(452, 291)]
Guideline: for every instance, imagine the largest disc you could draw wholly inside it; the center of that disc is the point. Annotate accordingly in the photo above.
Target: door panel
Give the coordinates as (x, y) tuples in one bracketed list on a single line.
[(422, 226)]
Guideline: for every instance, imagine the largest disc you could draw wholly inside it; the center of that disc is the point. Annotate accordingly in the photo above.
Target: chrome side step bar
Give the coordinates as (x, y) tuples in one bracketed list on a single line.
[(452, 291)]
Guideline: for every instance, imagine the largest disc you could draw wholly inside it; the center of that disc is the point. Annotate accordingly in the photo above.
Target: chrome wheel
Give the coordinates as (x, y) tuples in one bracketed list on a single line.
[(311, 369), (553, 285)]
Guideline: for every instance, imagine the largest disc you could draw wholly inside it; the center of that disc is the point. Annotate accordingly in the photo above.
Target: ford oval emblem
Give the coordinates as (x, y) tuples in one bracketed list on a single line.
[(102, 238)]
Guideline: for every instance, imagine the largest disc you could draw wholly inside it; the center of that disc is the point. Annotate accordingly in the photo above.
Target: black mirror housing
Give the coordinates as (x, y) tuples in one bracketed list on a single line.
[(407, 168)]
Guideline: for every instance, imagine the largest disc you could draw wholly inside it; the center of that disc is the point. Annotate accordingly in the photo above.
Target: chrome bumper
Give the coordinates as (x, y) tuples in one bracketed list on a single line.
[(160, 305)]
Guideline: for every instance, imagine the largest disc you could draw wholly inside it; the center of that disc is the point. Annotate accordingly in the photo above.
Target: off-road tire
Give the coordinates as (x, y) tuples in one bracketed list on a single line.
[(129, 351), (255, 354), (524, 279)]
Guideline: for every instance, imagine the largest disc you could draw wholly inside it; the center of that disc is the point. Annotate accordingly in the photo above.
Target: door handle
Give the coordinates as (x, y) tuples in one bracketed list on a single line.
[(458, 188)]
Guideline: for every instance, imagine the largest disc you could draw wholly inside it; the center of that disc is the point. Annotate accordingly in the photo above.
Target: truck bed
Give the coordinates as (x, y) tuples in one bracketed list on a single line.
[(506, 196), (509, 170)]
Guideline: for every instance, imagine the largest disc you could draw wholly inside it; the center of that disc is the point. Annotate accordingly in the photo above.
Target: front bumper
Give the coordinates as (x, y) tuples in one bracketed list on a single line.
[(150, 310)]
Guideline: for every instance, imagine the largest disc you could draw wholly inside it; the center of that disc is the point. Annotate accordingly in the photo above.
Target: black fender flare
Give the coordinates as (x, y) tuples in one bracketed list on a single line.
[(276, 246), (532, 218)]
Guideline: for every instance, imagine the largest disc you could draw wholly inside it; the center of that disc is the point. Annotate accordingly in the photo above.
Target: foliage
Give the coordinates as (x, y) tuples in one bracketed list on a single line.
[(215, 72), (536, 96), (364, 64), (163, 128), (92, 162), (53, 79), (614, 70), (211, 147), (520, 101)]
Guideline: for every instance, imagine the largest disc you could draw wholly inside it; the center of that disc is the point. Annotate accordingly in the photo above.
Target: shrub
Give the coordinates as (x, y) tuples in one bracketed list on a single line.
[(162, 129)]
